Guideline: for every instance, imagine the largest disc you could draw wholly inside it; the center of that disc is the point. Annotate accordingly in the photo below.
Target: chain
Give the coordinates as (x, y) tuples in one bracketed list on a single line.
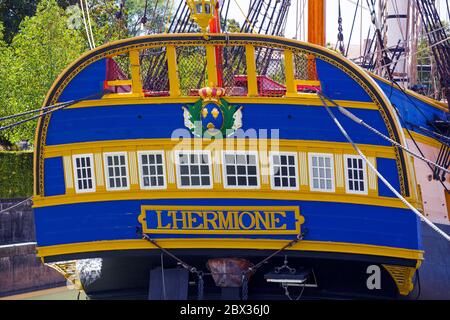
[(200, 285), (244, 286)]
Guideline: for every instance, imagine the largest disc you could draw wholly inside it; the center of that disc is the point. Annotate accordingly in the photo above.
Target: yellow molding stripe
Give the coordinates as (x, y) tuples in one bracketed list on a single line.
[(291, 87), (339, 172), (252, 83), (143, 144), (98, 159), (68, 172), (211, 65), (135, 66), (318, 246), (218, 192), (303, 160), (372, 177), (115, 83), (301, 99), (423, 139)]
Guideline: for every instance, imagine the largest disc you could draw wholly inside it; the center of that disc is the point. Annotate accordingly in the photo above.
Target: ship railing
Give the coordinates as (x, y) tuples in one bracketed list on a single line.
[(181, 70)]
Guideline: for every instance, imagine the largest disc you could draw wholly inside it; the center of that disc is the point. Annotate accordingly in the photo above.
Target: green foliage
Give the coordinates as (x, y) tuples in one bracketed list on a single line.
[(12, 12), (34, 55), (16, 174), (43, 47), (111, 22), (192, 69), (233, 26)]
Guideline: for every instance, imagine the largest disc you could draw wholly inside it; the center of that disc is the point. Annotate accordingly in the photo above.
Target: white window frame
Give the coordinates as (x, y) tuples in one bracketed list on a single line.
[(224, 170), (75, 176), (272, 171), (141, 173), (333, 174), (366, 191), (105, 165), (178, 173)]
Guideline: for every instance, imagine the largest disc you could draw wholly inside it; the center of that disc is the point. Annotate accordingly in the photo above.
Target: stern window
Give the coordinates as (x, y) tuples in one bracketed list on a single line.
[(151, 170), (83, 166), (283, 171), (321, 172), (241, 170), (194, 170), (116, 171), (355, 175)]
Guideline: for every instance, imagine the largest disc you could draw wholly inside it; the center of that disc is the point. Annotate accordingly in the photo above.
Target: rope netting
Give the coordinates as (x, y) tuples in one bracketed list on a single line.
[(231, 66)]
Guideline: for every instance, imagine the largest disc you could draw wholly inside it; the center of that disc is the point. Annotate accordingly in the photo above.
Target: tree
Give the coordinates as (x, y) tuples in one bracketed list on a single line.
[(43, 47), (233, 26), (115, 20), (12, 12), (48, 41)]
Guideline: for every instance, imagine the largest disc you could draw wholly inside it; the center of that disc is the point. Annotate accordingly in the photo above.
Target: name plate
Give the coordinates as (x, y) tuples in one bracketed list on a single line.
[(221, 220)]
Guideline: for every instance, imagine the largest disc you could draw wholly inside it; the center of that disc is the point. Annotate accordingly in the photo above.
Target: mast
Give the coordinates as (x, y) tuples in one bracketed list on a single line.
[(397, 37), (316, 22)]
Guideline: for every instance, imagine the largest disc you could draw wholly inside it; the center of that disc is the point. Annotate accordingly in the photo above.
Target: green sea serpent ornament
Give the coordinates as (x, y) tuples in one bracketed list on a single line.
[(212, 116)]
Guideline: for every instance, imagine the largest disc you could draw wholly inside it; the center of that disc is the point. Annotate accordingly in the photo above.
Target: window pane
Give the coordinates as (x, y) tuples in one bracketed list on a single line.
[(244, 173), (83, 173), (195, 172)]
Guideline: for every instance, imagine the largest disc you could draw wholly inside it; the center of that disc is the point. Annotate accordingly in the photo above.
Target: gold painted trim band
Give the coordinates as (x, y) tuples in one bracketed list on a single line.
[(335, 247)]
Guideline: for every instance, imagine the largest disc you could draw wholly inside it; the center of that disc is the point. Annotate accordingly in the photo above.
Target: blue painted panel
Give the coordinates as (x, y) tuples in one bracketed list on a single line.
[(324, 221), (338, 85), (159, 121), (388, 168), (54, 177), (412, 110), (87, 83)]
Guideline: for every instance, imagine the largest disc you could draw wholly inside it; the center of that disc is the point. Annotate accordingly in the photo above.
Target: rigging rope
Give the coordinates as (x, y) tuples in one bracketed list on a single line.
[(361, 122), (353, 27), (89, 21), (380, 176), (60, 107), (86, 26), (169, 16), (246, 18), (32, 111)]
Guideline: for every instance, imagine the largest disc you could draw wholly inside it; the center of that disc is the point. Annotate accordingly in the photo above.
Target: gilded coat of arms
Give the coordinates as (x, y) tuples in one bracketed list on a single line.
[(212, 115)]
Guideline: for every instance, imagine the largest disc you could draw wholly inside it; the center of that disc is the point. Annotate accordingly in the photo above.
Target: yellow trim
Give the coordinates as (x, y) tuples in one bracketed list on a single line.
[(423, 139), (116, 83), (174, 81), (403, 277), (291, 88), (252, 83), (136, 73), (299, 220), (68, 174), (300, 99), (313, 83), (99, 170), (372, 179), (318, 246), (169, 144), (219, 192), (211, 65)]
